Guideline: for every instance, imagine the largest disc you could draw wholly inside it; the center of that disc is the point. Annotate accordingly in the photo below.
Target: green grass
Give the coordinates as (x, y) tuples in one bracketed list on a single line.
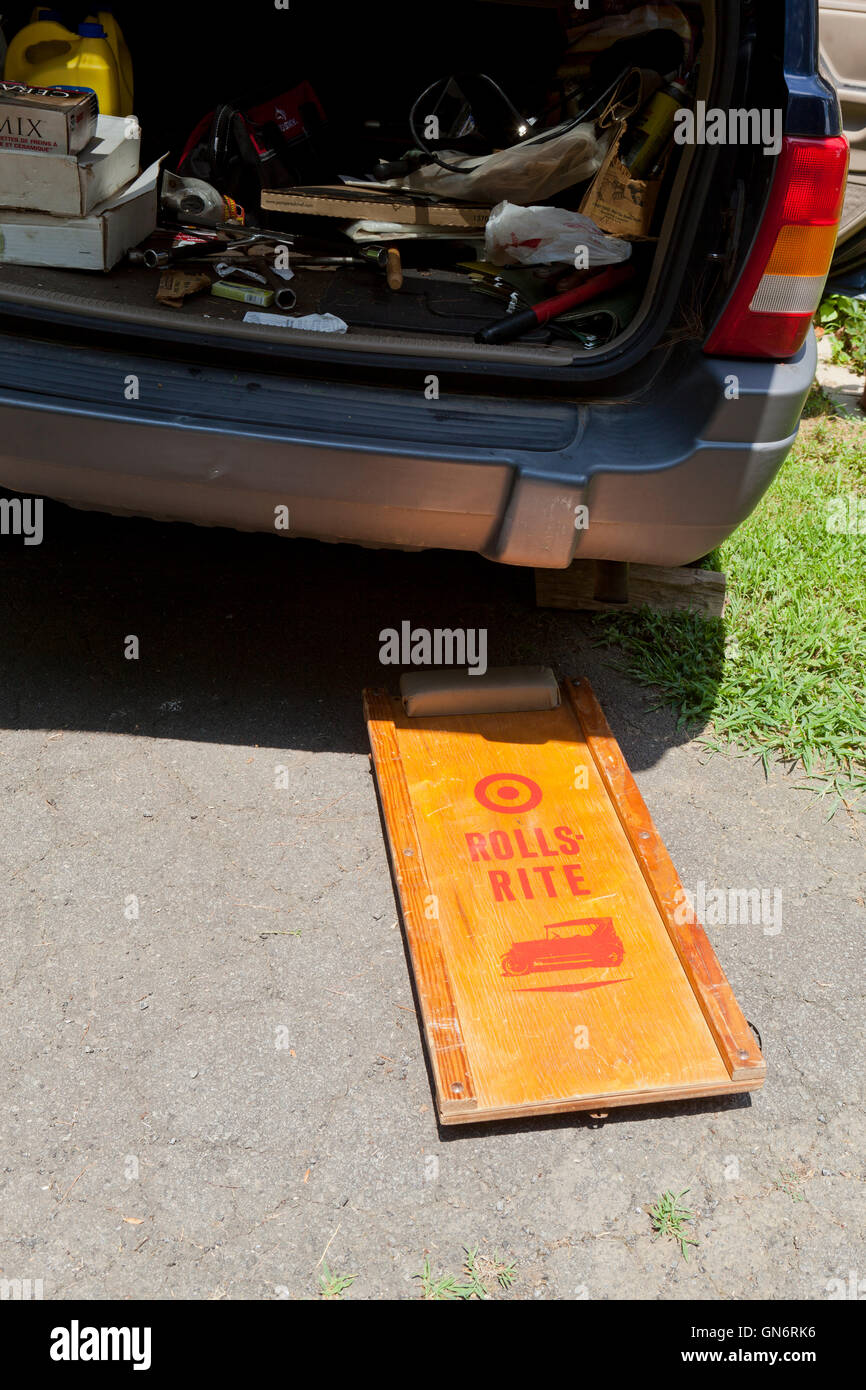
[(333, 1286), (668, 1217), (782, 675), (478, 1281)]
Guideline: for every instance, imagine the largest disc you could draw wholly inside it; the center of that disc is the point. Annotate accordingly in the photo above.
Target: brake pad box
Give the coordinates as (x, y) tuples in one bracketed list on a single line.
[(46, 120)]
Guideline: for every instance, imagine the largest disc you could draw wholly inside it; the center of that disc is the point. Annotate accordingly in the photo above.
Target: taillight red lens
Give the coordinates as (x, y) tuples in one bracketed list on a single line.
[(775, 298)]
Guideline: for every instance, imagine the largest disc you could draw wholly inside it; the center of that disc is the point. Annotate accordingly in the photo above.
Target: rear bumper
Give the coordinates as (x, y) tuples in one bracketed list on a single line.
[(665, 475)]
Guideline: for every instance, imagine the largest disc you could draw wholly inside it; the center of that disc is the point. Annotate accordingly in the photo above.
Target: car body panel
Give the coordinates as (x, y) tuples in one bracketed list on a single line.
[(665, 476)]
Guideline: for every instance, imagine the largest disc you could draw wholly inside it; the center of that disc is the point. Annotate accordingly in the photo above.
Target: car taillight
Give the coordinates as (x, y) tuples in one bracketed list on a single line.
[(775, 298)]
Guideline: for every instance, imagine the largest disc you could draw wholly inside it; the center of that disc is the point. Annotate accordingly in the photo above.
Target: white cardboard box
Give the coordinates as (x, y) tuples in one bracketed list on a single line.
[(95, 242), (71, 185)]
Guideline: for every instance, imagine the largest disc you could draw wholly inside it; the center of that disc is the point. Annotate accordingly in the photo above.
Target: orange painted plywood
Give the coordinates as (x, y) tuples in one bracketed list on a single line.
[(547, 975)]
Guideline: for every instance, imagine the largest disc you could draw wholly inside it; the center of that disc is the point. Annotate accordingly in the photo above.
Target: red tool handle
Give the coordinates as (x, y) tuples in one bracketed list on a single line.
[(590, 289), (515, 325)]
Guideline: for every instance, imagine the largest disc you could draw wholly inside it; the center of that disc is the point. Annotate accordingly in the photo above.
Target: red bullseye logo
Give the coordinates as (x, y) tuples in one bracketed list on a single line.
[(508, 793)]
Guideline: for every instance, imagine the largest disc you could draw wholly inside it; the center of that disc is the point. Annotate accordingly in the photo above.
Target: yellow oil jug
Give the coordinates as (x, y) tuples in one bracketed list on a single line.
[(114, 34), (45, 39), (45, 54)]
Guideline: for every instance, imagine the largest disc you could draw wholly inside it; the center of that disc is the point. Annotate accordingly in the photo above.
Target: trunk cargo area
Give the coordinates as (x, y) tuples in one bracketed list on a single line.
[(357, 75)]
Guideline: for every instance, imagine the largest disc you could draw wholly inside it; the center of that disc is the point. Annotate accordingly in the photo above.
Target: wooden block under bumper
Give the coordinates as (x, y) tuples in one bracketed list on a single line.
[(649, 586)]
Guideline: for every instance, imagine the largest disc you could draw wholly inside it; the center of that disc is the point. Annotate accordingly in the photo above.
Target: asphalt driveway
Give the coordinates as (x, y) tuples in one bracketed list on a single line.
[(212, 1072)]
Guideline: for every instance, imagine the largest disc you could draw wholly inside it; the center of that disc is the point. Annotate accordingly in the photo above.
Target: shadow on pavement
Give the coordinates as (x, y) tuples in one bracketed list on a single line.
[(254, 639)]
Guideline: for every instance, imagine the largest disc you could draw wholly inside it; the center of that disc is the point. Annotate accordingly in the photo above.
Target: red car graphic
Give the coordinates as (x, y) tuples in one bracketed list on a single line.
[(562, 951)]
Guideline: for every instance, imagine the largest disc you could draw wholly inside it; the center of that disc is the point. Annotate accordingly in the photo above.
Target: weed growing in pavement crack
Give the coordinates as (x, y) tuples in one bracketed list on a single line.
[(333, 1286), (668, 1218), (479, 1275)]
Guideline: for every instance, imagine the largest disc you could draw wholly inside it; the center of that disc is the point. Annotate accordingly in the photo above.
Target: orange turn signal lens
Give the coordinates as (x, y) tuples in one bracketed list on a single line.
[(805, 251)]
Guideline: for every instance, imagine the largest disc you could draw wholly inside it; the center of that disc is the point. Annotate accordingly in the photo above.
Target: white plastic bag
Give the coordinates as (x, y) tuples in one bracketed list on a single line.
[(548, 236), (537, 168)]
